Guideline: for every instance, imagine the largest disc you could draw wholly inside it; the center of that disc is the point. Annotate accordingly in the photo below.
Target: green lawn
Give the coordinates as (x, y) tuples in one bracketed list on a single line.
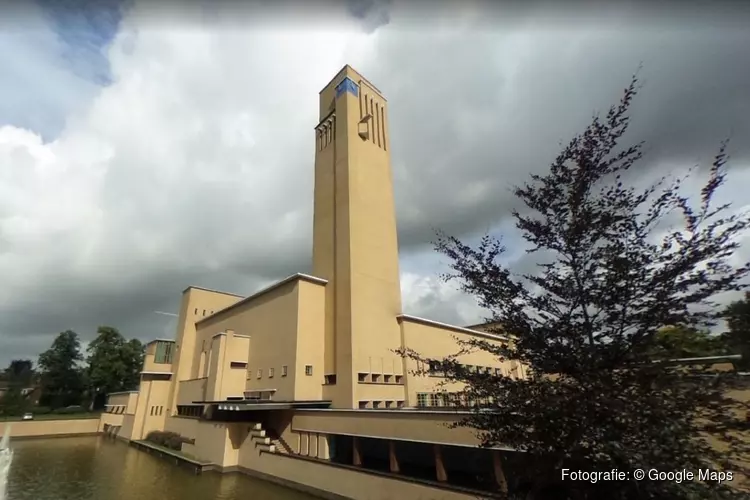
[(53, 416)]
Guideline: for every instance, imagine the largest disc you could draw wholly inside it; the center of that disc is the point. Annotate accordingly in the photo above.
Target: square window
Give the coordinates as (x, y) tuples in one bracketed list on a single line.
[(308, 370)]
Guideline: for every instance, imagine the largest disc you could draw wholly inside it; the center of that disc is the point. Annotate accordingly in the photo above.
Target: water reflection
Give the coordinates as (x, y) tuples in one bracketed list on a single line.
[(95, 468)]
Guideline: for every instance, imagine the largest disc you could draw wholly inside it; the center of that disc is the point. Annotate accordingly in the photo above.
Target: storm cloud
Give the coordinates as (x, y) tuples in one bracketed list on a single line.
[(193, 163)]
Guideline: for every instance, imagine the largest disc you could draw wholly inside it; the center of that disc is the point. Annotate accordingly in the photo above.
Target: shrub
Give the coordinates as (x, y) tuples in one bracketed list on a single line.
[(167, 439)]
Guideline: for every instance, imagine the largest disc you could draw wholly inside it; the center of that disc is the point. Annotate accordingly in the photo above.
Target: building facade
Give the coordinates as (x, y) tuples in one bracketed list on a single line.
[(301, 382)]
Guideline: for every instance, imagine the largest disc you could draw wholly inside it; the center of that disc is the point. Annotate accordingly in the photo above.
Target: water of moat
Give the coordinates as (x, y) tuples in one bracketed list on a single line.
[(99, 468)]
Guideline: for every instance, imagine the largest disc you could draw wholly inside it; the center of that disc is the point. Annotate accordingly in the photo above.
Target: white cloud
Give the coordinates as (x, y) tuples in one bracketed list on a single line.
[(195, 165)]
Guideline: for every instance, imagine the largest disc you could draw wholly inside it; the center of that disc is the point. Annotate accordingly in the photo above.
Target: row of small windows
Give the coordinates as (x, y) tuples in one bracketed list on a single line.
[(377, 378), (189, 410), (204, 312), (156, 410), (435, 369), (284, 371), (381, 405), (115, 409), (450, 399)]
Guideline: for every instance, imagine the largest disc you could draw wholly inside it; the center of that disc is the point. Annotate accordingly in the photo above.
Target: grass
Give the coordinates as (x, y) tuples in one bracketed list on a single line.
[(52, 416)]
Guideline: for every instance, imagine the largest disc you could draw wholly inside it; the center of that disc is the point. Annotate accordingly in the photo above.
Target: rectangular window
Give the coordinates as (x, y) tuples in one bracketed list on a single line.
[(260, 373), (270, 373), (434, 399), (237, 364), (283, 371), (308, 370), (163, 354), (422, 399)]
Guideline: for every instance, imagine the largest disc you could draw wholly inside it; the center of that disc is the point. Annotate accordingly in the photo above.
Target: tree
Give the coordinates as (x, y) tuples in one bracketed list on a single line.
[(584, 325), (62, 378), (17, 377), (674, 342), (737, 315), (114, 364)]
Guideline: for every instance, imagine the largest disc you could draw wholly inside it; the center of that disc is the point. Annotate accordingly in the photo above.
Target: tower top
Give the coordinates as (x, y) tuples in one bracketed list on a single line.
[(348, 71), (347, 79)]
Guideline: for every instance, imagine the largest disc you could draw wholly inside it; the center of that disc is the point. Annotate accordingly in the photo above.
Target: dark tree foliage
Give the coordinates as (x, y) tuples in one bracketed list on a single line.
[(584, 326), (114, 364), (62, 379), (737, 316), (17, 378), (674, 342)]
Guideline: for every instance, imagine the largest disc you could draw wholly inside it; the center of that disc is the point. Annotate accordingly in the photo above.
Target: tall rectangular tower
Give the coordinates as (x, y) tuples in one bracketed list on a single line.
[(355, 243)]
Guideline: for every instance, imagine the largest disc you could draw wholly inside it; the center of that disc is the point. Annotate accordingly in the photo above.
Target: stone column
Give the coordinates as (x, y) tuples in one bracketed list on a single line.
[(497, 466), (356, 455), (323, 448), (305, 444), (313, 446), (393, 458), (442, 475)]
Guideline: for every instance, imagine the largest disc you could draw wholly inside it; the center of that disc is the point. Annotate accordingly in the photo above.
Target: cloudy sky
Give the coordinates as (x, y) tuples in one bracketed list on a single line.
[(144, 149)]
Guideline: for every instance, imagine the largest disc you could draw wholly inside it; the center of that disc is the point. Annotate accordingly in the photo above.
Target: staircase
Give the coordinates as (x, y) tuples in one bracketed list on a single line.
[(280, 445), (261, 440)]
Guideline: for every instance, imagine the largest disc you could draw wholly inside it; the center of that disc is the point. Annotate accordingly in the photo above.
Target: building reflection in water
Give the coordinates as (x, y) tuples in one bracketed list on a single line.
[(100, 468)]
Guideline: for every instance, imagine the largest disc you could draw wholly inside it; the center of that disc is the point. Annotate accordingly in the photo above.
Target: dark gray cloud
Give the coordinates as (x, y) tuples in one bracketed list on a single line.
[(195, 165)]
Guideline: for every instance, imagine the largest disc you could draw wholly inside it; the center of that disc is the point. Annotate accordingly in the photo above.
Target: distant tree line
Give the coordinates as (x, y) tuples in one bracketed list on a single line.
[(68, 377)]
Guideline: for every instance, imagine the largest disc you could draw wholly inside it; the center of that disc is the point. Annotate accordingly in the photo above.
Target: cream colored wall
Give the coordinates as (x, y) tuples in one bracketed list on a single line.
[(184, 426), (192, 390), (234, 379), (115, 419), (345, 482), (150, 366), (194, 302), (425, 426), (284, 327), (36, 428), (217, 347), (310, 332), (432, 341), (355, 239), (151, 409)]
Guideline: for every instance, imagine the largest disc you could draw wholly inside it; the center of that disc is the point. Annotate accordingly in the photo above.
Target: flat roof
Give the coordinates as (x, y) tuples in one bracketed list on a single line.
[(159, 340), (459, 329), (289, 279), (265, 404), (121, 392), (211, 290)]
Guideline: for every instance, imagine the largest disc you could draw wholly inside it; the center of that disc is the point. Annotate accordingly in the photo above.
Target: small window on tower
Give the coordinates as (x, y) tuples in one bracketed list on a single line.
[(308, 370), (270, 373), (284, 371)]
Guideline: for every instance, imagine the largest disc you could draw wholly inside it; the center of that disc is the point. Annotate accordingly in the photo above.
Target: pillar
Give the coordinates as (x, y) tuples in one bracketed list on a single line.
[(356, 454), (313, 446), (323, 447), (305, 449), (497, 466), (442, 475), (393, 458)]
